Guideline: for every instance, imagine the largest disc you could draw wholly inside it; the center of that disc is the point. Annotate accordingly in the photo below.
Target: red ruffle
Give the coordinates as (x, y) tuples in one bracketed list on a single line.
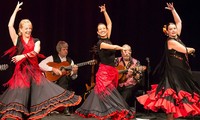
[(23, 75), (11, 51), (117, 115), (107, 76), (176, 105)]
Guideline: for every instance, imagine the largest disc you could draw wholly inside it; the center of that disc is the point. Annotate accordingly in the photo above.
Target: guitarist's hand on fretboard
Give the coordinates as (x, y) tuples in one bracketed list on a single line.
[(130, 72), (74, 69)]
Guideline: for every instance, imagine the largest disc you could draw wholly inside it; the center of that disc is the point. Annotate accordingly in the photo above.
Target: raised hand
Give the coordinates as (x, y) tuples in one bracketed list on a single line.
[(170, 6), (19, 4), (102, 8)]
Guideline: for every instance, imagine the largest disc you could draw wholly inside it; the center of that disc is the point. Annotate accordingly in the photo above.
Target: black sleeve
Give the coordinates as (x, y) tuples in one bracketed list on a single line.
[(36, 39)]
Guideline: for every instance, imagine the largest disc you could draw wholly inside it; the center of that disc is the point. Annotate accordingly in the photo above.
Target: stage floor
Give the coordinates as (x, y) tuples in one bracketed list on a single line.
[(139, 116)]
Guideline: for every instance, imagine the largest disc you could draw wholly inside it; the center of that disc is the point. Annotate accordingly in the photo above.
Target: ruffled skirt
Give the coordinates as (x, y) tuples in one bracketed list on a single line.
[(181, 104), (105, 101), (111, 106), (36, 101)]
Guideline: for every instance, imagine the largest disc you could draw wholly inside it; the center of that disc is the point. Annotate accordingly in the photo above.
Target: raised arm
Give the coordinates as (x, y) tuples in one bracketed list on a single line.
[(177, 19), (107, 18), (11, 28)]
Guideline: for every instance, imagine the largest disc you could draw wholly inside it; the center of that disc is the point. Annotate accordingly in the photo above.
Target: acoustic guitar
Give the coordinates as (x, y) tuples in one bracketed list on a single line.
[(122, 71), (65, 68), (3, 67), (92, 83), (90, 86)]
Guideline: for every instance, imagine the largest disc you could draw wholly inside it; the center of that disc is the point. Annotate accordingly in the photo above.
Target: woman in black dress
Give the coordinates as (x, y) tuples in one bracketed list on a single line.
[(176, 94)]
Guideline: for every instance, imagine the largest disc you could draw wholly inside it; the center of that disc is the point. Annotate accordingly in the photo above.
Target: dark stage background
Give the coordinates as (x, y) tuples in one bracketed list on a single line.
[(136, 22)]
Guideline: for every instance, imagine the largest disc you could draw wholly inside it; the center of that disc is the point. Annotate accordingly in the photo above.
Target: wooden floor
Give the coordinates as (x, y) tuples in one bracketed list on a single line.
[(139, 116)]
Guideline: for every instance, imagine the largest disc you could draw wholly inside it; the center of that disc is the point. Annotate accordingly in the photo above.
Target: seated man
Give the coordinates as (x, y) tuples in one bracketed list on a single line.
[(58, 60), (130, 74)]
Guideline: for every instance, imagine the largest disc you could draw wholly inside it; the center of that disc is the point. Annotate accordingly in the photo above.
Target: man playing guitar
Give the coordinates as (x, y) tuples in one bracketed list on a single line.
[(61, 57), (128, 80)]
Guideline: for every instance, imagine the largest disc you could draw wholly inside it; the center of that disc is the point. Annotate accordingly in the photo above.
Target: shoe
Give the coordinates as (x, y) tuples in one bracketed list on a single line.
[(66, 112)]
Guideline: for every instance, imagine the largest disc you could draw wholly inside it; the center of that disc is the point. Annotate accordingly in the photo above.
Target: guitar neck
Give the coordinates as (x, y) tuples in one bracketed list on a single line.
[(79, 65), (82, 64), (65, 67)]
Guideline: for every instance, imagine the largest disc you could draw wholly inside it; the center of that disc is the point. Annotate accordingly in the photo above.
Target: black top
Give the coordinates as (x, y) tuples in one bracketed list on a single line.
[(106, 56)]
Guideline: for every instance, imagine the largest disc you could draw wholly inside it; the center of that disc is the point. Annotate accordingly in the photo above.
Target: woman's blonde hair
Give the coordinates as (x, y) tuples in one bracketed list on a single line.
[(22, 22)]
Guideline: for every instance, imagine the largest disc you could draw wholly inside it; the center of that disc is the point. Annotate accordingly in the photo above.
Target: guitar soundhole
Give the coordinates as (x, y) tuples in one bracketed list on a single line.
[(54, 74)]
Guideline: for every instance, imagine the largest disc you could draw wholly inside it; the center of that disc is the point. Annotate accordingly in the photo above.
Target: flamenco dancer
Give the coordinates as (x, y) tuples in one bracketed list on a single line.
[(176, 94), (104, 100), (29, 94)]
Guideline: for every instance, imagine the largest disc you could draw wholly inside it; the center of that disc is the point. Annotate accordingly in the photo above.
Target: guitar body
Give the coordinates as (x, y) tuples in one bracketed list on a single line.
[(52, 76), (92, 83), (122, 72), (58, 65), (89, 87), (88, 90), (122, 75), (65, 68)]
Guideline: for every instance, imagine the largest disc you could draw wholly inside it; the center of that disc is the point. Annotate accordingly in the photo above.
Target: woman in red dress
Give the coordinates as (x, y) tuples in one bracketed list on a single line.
[(30, 95), (104, 100)]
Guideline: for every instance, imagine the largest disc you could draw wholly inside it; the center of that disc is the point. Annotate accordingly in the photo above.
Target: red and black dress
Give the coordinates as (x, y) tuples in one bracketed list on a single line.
[(176, 92), (105, 101), (30, 95)]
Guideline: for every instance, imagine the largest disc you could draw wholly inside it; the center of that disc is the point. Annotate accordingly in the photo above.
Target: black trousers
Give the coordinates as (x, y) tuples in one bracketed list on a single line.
[(129, 94), (64, 82)]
